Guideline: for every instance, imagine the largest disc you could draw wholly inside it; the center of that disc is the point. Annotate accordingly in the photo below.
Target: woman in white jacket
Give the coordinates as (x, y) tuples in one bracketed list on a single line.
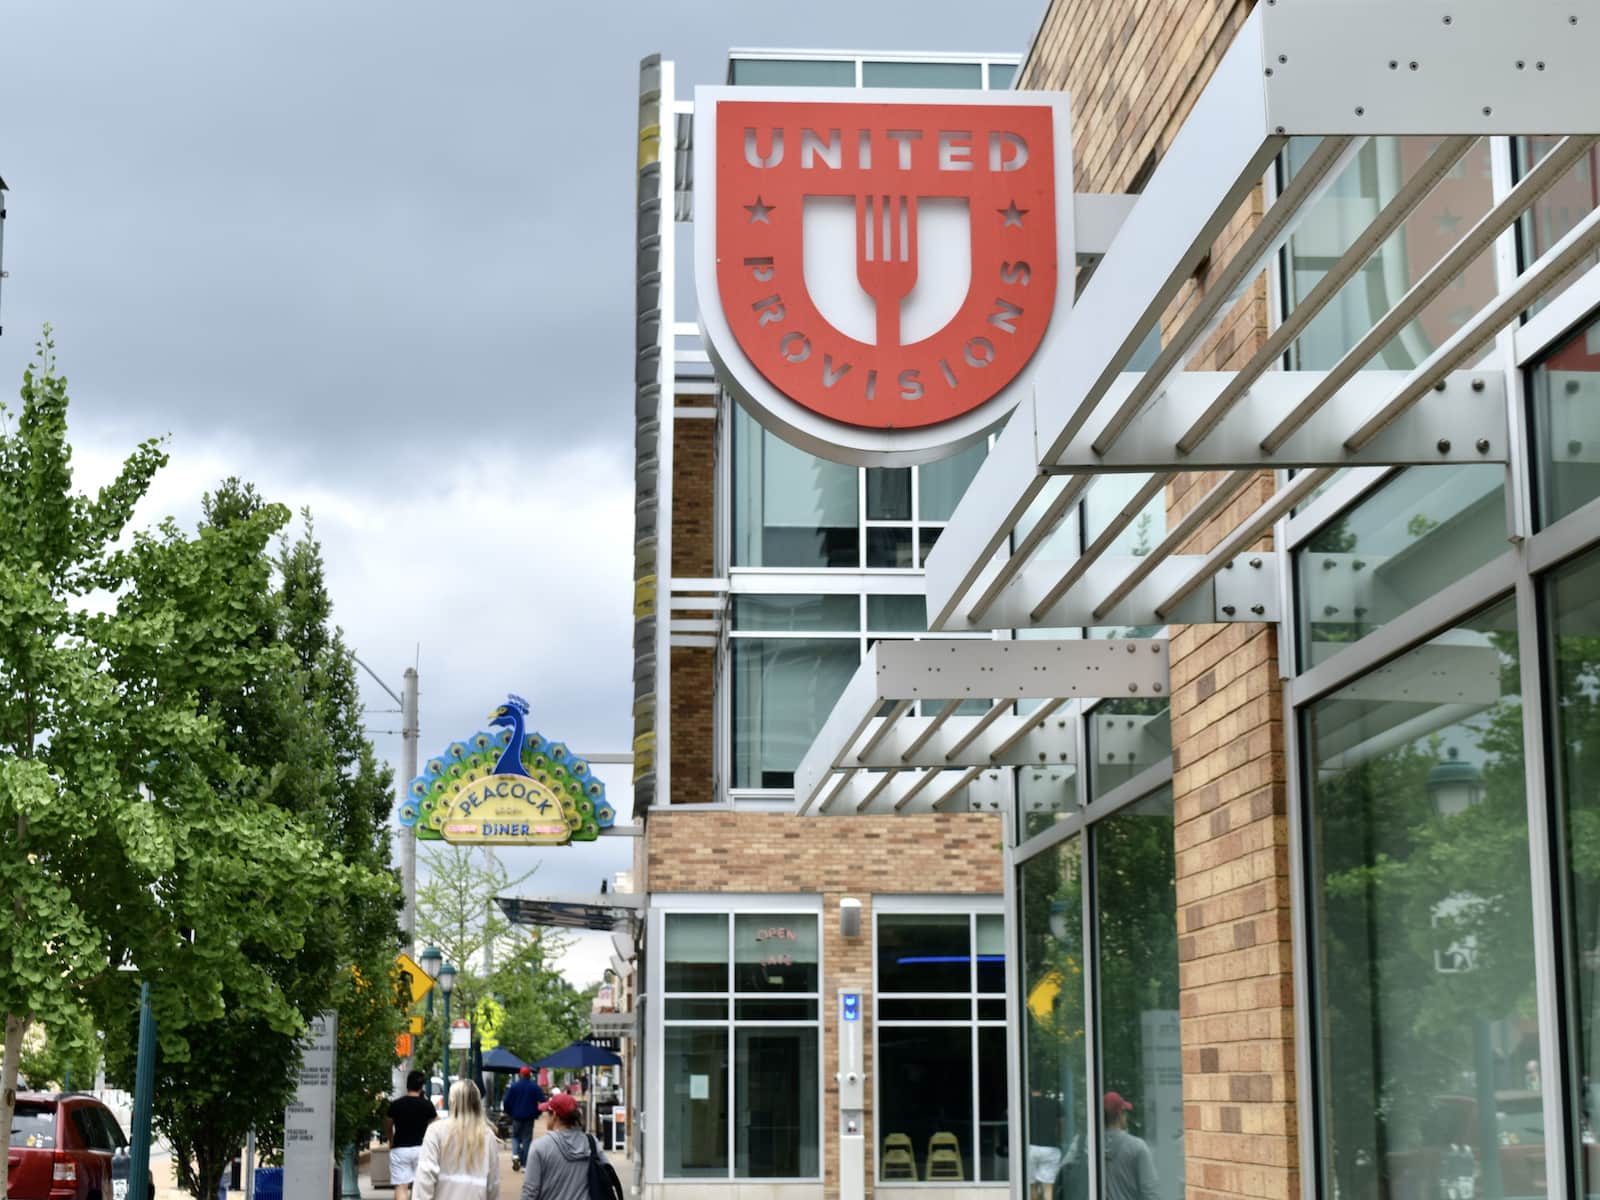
[(460, 1155)]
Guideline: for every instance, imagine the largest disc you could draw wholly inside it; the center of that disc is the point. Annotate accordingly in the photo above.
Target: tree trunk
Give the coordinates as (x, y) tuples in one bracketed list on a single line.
[(15, 1027)]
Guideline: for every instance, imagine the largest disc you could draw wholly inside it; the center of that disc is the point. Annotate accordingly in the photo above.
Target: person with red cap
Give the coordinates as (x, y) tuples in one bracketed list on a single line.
[(523, 1102), (1130, 1168), (566, 1163)]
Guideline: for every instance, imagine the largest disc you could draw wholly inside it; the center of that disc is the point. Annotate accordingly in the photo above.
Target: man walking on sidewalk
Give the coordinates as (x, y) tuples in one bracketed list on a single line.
[(521, 1103)]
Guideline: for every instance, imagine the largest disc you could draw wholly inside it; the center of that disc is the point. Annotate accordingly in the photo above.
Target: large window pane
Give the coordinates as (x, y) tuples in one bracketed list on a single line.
[(925, 1098), (1554, 214), (993, 1126), (1424, 933), (897, 614), (889, 493), (697, 952), (782, 72), (1566, 419), (943, 483), (922, 75), (790, 508), (1434, 226), (775, 953), (1141, 1059), (797, 614), (776, 1100), (991, 953), (694, 1135), (1424, 529), (924, 952), (783, 690), (1056, 1087), (1574, 598)]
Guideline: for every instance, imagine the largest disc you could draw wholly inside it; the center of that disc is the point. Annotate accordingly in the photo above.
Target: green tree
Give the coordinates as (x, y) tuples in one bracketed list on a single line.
[(542, 1011), (63, 797)]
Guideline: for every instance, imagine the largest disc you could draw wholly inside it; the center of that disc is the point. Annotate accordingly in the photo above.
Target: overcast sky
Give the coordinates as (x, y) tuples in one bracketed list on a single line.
[(376, 256)]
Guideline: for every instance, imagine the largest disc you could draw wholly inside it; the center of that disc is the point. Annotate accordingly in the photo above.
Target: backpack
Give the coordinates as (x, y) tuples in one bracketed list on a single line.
[(603, 1181)]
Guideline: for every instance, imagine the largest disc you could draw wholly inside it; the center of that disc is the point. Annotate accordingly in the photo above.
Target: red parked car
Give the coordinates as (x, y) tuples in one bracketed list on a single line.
[(62, 1148)]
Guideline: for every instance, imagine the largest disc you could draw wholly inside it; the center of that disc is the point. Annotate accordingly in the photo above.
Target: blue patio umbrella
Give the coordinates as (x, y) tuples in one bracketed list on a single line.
[(579, 1054), (501, 1061)]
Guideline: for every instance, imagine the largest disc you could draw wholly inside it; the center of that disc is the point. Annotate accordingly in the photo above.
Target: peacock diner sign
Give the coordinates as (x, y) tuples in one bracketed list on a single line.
[(507, 785)]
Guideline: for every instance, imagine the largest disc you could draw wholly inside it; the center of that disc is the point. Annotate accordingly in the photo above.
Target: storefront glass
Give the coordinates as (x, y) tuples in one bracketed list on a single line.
[(1427, 1045), (783, 690), (940, 1043), (1137, 963), (1055, 1046), (1573, 658), (752, 1049)]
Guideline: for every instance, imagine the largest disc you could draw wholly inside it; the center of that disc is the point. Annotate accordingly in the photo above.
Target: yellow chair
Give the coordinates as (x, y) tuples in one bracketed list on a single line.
[(899, 1162), (944, 1158)]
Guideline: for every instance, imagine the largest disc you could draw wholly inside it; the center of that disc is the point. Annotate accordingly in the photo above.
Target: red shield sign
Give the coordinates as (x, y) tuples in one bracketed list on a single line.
[(895, 165)]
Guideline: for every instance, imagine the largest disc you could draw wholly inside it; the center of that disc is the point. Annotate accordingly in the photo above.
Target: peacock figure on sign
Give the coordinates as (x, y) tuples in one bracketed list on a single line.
[(507, 765)]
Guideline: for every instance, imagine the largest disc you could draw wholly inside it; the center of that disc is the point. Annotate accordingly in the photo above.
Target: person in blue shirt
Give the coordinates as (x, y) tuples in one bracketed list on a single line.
[(521, 1103)]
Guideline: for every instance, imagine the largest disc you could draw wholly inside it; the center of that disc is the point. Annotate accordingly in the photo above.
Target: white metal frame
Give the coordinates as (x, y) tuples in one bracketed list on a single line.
[(731, 905), (971, 906)]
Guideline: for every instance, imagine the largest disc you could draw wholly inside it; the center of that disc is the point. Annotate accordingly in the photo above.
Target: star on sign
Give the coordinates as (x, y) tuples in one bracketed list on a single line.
[(1013, 215), (759, 212)]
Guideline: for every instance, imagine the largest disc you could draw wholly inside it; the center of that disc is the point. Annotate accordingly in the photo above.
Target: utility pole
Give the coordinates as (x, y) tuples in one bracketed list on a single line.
[(408, 837)]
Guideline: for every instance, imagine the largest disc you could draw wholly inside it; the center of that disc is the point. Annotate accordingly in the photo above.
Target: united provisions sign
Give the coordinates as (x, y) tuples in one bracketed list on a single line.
[(876, 270)]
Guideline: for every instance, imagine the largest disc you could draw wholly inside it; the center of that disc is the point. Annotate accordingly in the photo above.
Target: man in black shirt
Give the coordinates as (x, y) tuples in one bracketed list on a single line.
[(403, 1129)]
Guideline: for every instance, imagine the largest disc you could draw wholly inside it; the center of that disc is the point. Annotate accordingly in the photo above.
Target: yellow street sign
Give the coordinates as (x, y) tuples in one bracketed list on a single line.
[(1042, 999), (416, 978), (416, 1026)]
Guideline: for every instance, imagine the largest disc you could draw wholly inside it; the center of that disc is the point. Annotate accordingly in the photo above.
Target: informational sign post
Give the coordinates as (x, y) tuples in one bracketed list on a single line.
[(308, 1155)]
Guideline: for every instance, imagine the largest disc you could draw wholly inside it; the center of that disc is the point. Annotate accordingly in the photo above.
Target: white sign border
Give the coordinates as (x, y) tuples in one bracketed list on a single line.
[(810, 431)]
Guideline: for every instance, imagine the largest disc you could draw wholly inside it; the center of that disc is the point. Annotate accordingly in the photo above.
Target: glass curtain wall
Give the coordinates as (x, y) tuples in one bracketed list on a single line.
[(1098, 916), (741, 1034), (1445, 790)]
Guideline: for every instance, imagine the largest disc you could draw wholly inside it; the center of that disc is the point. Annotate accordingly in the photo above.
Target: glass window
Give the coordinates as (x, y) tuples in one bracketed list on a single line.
[(1555, 213), (796, 614), (783, 690), (33, 1126), (775, 953), (922, 75), (776, 1084), (924, 952), (790, 508), (697, 952), (943, 483), (897, 614), (1001, 75), (890, 547), (769, 1051), (1565, 388), (780, 72), (694, 1136), (1137, 961), (1055, 1051), (931, 1043), (1574, 679), (1428, 1048), (1425, 528), (1125, 738), (889, 493), (925, 1099), (1434, 226)]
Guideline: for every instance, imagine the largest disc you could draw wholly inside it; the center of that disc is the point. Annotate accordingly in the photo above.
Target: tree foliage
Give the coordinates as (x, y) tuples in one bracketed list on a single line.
[(191, 794)]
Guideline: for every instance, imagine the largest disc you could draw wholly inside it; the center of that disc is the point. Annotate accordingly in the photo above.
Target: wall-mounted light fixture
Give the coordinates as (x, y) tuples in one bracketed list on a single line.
[(849, 918)]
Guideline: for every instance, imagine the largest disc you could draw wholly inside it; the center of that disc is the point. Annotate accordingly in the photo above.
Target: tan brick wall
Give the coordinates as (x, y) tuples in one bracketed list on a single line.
[(691, 751), (859, 857), (692, 678), (694, 478), (1135, 68)]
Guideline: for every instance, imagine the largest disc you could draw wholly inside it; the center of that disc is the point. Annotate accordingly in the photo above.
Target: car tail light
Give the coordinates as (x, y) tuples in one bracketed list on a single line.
[(65, 1171)]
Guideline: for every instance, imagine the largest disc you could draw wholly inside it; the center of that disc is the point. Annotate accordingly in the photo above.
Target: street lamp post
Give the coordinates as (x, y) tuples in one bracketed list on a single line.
[(447, 984), (144, 1087), (429, 962)]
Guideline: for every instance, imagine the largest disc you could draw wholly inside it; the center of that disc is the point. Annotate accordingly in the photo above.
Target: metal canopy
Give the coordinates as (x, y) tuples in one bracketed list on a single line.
[(920, 722), (1340, 70), (610, 910)]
